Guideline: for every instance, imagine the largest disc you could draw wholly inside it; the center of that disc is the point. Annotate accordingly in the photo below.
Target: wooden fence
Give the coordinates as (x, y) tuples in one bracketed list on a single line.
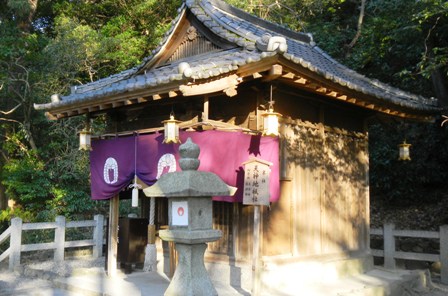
[(389, 252), (14, 232)]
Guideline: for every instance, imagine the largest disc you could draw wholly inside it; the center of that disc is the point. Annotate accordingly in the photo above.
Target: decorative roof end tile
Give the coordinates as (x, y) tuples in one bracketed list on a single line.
[(272, 43), (56, 98)]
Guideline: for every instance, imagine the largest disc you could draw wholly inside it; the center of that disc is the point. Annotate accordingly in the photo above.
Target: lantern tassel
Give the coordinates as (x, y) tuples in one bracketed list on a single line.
[(135, 197), (135, 187)]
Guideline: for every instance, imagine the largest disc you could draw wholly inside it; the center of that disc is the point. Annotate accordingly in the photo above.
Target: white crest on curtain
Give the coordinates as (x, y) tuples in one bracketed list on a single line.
[(110, 165), (166, 164)]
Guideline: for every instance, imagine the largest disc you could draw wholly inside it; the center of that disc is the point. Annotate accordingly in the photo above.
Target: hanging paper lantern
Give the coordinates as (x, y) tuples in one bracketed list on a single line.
[(270, 123), (403, 150), (171, 130), (85, 140)]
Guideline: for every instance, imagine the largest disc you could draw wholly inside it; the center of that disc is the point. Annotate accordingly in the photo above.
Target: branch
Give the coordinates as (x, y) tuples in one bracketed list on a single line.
[(10, 111), (445, 120), (5, 157), (359, 27), (427, 38), (10, 120)]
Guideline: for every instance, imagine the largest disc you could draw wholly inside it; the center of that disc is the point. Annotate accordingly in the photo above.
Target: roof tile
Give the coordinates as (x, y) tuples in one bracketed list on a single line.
[(243, 30)]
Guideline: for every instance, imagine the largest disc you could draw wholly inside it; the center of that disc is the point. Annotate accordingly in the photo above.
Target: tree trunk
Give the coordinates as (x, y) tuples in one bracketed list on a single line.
[(438, 77), (25, 22), (440, 86), (359, 27), (3, 197)]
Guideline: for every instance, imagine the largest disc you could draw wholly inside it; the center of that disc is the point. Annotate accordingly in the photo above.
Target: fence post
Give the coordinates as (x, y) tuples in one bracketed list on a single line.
[(98, 236), (444, 254), (15, 243), (389, 246), (59, 239)]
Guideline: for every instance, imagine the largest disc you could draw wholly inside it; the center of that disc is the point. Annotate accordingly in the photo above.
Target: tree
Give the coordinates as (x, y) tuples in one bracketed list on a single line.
[(46, 47)]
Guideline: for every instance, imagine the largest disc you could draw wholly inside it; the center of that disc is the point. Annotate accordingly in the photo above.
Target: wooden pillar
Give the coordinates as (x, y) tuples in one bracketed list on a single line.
[(112, 246), (256, 252), (206, 109)]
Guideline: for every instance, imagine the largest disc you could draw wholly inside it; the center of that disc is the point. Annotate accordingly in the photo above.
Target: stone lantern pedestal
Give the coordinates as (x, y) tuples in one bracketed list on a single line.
[(190, 212)]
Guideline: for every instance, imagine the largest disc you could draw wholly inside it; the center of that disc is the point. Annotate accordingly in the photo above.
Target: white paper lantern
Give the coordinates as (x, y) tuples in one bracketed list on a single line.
[(85, 140), (171, 130), (270, 123), (403, 150)]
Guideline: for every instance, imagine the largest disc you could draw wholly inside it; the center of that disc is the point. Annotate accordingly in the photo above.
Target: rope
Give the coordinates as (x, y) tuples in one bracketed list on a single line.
[(152, 210), (135, 159)]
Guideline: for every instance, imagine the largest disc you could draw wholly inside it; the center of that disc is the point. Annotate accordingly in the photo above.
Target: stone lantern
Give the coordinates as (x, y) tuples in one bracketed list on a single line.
[(190, 214)]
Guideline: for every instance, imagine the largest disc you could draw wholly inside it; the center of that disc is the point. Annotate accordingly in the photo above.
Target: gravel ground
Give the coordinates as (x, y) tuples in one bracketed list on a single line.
[(26, 281), (68, 267)]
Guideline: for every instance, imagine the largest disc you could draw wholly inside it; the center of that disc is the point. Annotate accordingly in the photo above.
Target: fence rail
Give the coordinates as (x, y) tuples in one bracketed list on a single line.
[(14, 233), (390, 254)]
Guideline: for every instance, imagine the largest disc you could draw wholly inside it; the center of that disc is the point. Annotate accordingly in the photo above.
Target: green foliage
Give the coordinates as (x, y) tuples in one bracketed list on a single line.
[(58, 44), (8, 214), (406, 182), (27, 181)]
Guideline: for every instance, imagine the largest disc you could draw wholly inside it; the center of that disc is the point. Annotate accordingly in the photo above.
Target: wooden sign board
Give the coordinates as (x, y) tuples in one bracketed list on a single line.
[(256, 182)]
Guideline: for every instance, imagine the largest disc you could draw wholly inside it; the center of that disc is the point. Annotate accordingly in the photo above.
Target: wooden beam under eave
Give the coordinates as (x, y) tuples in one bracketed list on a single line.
[(333, 94), (370, 106), (172, 94), (344, 98), (313, 85), (321, 89), (142, 100), (222, 84), (73, 113), (289, 75), (51, 116), (274, 72), (352, 100), (117, 104), (256, 75), (156, 97), (105, 106), (301, 80), (91, 109)]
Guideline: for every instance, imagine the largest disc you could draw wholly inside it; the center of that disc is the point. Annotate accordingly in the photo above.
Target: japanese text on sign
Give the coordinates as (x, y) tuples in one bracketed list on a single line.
[(256, 182)]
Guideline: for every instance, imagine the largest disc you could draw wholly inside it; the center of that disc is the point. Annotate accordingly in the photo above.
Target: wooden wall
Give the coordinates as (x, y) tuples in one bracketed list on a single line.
[(324, 192), (324, 204)]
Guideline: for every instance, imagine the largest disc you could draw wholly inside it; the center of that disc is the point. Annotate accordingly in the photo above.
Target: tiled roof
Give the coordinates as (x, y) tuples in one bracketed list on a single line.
[(249, 34)]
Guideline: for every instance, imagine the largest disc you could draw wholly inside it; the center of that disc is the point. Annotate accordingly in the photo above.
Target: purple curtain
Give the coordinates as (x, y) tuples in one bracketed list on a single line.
[(112, 161)]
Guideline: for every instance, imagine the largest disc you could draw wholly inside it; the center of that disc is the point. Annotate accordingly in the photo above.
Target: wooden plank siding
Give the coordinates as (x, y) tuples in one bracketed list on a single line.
[(322, 209), (324, 204), (325, 197), (222, 220)]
